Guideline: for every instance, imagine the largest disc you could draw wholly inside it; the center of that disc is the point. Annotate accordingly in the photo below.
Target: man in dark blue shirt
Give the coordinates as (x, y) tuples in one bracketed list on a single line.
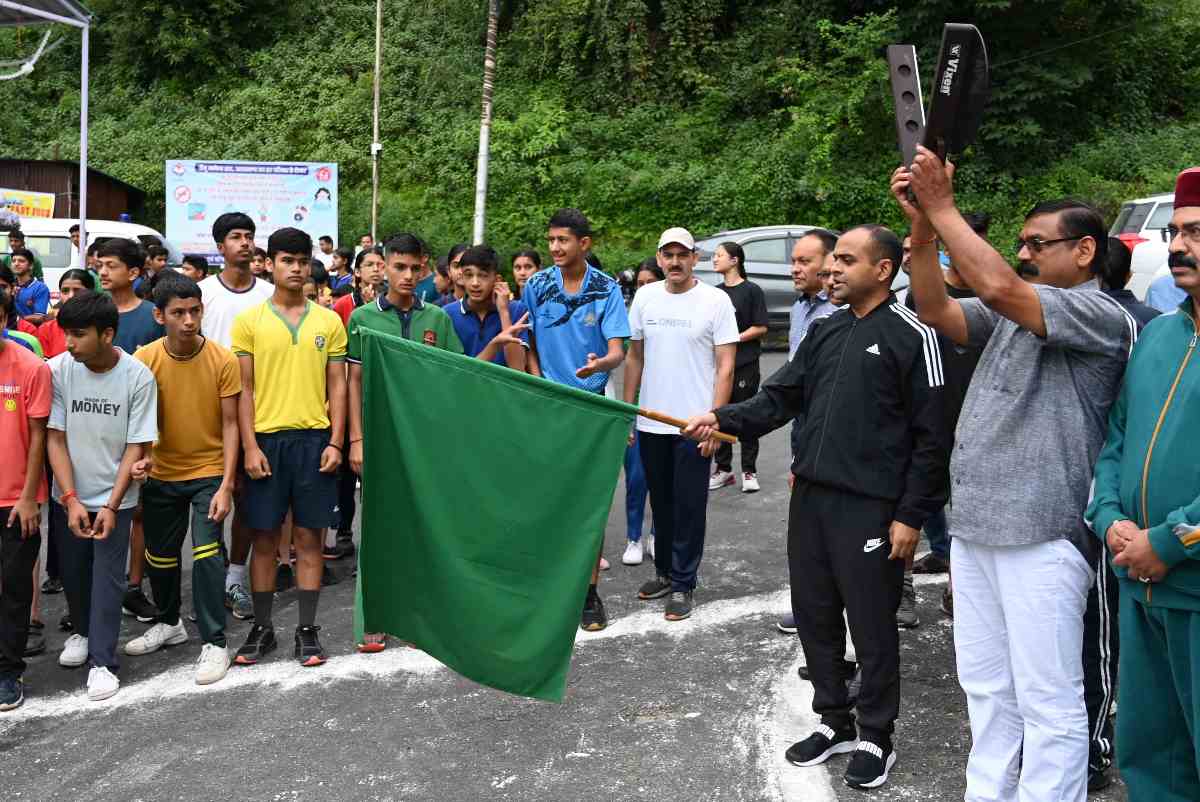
[(487, 310)]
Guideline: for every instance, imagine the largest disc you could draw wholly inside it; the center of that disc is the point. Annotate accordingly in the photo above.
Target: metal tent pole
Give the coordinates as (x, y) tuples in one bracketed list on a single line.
[(83, 151)]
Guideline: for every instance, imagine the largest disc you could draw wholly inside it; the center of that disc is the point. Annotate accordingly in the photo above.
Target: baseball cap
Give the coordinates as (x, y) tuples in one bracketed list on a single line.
[(679, 236)]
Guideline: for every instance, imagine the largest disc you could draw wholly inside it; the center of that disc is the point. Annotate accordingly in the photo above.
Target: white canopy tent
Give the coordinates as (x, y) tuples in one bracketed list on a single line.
[(28, 13)]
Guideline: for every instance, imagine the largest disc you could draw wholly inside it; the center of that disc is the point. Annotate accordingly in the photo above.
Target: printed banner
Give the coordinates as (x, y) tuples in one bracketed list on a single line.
[(27, 204), (276, 195)]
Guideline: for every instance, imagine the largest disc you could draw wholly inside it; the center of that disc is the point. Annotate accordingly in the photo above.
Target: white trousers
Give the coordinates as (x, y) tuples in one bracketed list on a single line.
[(1018, 638)]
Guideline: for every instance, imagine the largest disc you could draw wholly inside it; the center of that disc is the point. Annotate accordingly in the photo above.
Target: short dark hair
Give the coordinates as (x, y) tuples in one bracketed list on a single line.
[(1118, 265), (91, 249), (650, 264), (24, 253), (425, 252), (735, 250), (126, 250), (1077, 218), (82, 276), (325, 238), (7, 307), (483, 257), (7, 275), (318, 273), (407, 244), (74, 229), (153, 251), (197, 261), (16, 233), (455, 250), (572, 219), (260, 252), (171, 285), (89, 310), (828, 238), (231, 221), (442, 267), (884, 245), (979, 222), (531, 255), (289, 240), (347, 254)]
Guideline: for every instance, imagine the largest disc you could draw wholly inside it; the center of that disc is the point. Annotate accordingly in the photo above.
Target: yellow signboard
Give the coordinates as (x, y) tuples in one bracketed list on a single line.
[(27, 204)]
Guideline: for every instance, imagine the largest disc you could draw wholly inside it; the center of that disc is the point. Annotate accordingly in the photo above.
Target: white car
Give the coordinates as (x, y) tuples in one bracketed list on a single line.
[(50, 239), (1141, 225)]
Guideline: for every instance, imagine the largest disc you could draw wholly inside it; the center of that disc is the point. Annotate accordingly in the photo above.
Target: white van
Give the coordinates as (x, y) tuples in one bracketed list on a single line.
[(50, 239)]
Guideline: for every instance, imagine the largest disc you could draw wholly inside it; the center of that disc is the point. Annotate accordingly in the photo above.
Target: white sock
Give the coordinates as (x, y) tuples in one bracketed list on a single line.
[(235, 575)]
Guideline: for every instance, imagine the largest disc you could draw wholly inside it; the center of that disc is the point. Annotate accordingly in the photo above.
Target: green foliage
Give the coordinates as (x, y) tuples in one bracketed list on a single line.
[(712, 114)]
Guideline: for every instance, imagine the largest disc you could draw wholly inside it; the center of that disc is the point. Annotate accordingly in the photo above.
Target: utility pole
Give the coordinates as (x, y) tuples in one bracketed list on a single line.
[(376, 145), (485, 124)]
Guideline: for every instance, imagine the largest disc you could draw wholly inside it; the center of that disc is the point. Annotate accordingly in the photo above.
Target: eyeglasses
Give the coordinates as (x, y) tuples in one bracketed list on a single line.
[(1189, 231), (1037, 244)]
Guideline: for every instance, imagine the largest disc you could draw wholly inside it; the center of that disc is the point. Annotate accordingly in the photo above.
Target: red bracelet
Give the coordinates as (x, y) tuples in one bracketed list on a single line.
[(67, 496), (917, 242)]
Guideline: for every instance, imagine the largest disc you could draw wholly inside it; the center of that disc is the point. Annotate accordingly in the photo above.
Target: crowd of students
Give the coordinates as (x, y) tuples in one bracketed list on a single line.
[(1011, 412)]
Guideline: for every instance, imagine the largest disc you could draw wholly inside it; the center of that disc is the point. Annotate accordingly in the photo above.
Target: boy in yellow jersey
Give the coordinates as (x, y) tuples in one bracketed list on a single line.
[(291, 352), (191, 473)]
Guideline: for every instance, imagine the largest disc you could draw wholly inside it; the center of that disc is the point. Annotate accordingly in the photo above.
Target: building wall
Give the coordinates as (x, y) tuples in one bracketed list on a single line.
[(107, 198)]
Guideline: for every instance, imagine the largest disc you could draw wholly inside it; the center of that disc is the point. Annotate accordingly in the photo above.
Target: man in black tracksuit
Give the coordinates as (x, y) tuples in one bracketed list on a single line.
[(868, 384)]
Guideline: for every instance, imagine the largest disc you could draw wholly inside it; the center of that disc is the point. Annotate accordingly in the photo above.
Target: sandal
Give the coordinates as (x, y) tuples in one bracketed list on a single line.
[(373, 643)]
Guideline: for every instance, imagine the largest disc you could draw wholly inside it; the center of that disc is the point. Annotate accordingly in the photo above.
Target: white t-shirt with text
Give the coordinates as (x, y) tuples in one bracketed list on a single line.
[(680, 332)]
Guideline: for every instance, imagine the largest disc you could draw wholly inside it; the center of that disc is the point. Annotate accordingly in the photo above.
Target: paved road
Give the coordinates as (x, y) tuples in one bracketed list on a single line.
[(700, 709)]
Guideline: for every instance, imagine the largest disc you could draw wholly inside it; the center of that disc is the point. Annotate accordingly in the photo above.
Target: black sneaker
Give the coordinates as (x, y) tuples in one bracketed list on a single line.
[(593, 618), (931, 564), (948, 602), (136, 605), (345, 542), (1098, 778), (823, 744), (284, 578), (52, 585), (333, 552), (35, 640), (869, 766), (308, 647), (679, 606), (656, 588), (260, 642), (65, 624)]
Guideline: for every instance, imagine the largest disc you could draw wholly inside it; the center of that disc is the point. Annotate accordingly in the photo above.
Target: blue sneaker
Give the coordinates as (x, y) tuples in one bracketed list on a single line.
[(12, 694)]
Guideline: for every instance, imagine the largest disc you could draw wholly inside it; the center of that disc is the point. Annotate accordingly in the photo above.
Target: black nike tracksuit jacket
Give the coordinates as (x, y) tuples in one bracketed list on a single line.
[(871, 395)]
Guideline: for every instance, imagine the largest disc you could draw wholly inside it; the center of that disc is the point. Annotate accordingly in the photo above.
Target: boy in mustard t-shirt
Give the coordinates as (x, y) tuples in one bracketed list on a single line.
[(291, 352), (191, 473)]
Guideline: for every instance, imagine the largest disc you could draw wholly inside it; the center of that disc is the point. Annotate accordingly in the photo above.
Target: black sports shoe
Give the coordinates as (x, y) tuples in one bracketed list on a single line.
[(35, 640), (65, 624), (308, 647), (52, 585), (823, 744), (331, 553), (284, 578), (345, 542), (948, 602), (931, 564), (136, 605), (869, 765), (656, 588), (1098, 778), (594, 618), (679, 606), (259, 643)]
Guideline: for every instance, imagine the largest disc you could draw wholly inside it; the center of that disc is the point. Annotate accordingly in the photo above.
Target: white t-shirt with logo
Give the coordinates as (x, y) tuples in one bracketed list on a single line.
[(102, 413), (679, 333), (222, 305)]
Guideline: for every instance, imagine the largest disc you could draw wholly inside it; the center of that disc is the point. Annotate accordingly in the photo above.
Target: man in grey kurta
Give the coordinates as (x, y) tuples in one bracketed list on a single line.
[(1031, 428)]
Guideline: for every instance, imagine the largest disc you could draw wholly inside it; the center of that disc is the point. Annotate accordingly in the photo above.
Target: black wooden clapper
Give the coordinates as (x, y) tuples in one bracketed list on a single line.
[(959, 93)]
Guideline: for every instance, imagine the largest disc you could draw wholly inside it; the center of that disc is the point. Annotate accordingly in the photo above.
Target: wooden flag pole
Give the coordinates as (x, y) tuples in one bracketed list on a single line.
[(679, 424)]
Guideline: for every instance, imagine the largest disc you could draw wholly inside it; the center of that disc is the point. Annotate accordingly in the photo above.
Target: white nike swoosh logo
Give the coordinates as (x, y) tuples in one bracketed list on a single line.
[(871, 545)]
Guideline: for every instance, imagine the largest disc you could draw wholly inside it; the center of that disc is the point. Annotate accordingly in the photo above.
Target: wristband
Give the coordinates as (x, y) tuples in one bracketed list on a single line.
[(332, 445), (359, 440), (67, 496), (110, 508), (929, 241)]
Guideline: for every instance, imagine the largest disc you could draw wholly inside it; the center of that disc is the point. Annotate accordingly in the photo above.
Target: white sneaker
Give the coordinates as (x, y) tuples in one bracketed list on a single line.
[(721, 479), (74, 653), (212, 665), (750, 483), (633, 553), (156, 637), (102, 684), (648, 546)]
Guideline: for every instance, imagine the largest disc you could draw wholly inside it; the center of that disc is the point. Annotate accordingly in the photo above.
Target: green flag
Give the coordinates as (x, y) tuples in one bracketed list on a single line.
[(485, 497)]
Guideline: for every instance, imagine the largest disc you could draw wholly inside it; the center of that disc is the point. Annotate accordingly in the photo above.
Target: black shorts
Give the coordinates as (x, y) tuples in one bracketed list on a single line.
[(296, 483)]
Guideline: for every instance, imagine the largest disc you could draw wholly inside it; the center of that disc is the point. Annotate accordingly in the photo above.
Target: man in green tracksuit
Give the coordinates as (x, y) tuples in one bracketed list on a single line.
[(1146, 508)]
